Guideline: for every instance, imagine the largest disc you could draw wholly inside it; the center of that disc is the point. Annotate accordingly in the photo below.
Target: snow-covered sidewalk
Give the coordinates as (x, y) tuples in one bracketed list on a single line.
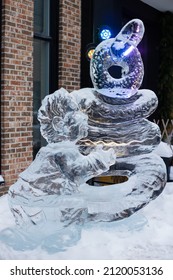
[(147, 234)]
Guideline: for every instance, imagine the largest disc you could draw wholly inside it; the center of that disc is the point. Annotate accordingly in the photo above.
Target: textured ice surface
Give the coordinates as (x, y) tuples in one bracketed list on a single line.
[(147, 235), (123, 127), (120, 51), (49, 188), (90, 132)]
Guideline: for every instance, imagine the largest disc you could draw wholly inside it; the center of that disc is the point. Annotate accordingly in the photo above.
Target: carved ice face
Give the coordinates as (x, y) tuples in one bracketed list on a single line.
[(73, 127), (61, 119), (79, 126)]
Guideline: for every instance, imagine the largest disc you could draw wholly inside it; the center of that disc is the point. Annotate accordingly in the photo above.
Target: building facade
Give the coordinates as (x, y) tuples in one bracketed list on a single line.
[(22, 60), (43, 48)]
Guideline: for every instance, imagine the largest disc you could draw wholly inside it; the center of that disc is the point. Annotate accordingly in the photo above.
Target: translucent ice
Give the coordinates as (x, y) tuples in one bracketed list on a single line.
[(120, 51), (91, 132), (50, 185)]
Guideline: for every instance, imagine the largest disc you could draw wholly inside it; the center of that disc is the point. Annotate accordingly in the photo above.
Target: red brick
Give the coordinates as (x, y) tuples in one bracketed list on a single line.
[(17, 76), (17, 37)]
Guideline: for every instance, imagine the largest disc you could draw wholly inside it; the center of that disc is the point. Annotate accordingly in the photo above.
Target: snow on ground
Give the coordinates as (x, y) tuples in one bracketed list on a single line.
[(148, 234)]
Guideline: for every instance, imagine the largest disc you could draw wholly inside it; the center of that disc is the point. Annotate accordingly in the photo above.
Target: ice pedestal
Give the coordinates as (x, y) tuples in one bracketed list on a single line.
[(92, 132)]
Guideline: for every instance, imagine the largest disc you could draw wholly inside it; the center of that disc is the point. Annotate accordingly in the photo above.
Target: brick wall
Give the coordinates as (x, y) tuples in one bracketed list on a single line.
[(69, 44), (17, 77), (16, 87)]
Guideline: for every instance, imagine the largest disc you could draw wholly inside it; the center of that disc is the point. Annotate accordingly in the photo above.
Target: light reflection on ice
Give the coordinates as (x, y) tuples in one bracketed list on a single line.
[(90, 132)]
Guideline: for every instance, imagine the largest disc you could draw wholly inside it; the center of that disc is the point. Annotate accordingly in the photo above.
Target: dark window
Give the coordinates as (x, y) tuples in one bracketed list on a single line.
[(45, 59), (0, 79)]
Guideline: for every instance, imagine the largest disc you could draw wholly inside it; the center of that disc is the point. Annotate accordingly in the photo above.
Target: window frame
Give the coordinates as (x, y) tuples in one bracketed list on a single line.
[(52, 38), (0, 86)]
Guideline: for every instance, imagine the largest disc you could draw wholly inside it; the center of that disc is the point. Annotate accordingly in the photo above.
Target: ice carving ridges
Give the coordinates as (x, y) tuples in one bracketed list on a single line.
[(94, 131), (120, 51)]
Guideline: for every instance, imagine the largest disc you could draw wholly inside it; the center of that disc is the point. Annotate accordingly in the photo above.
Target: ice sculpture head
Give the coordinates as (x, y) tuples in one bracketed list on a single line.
[(60, 118), (132, 33), (120, 51)]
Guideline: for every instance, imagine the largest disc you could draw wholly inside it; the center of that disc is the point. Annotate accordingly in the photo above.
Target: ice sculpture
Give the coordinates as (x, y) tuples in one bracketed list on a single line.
[(117, 112), (120, 51), (54, 177), (93, 131)]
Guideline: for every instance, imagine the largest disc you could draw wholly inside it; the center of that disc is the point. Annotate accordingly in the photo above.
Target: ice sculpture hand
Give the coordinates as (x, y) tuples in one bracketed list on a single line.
[(108, 156)]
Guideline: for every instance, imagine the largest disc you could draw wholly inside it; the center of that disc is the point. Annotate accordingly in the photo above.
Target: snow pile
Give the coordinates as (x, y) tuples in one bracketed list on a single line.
[(164, 150), (145, 235)]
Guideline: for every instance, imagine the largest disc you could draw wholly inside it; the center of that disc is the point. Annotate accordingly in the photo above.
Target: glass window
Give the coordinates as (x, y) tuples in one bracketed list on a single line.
[(45, 59), (42, 17), (41, 64), (41, 86), (38, 16), (1, 179)]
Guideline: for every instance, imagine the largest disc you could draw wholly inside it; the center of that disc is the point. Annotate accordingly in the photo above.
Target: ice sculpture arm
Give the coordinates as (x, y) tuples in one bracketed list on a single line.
[(97, 162)]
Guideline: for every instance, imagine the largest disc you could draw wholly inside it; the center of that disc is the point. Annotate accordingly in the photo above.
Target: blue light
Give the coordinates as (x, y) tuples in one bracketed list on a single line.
[(105, 34)]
